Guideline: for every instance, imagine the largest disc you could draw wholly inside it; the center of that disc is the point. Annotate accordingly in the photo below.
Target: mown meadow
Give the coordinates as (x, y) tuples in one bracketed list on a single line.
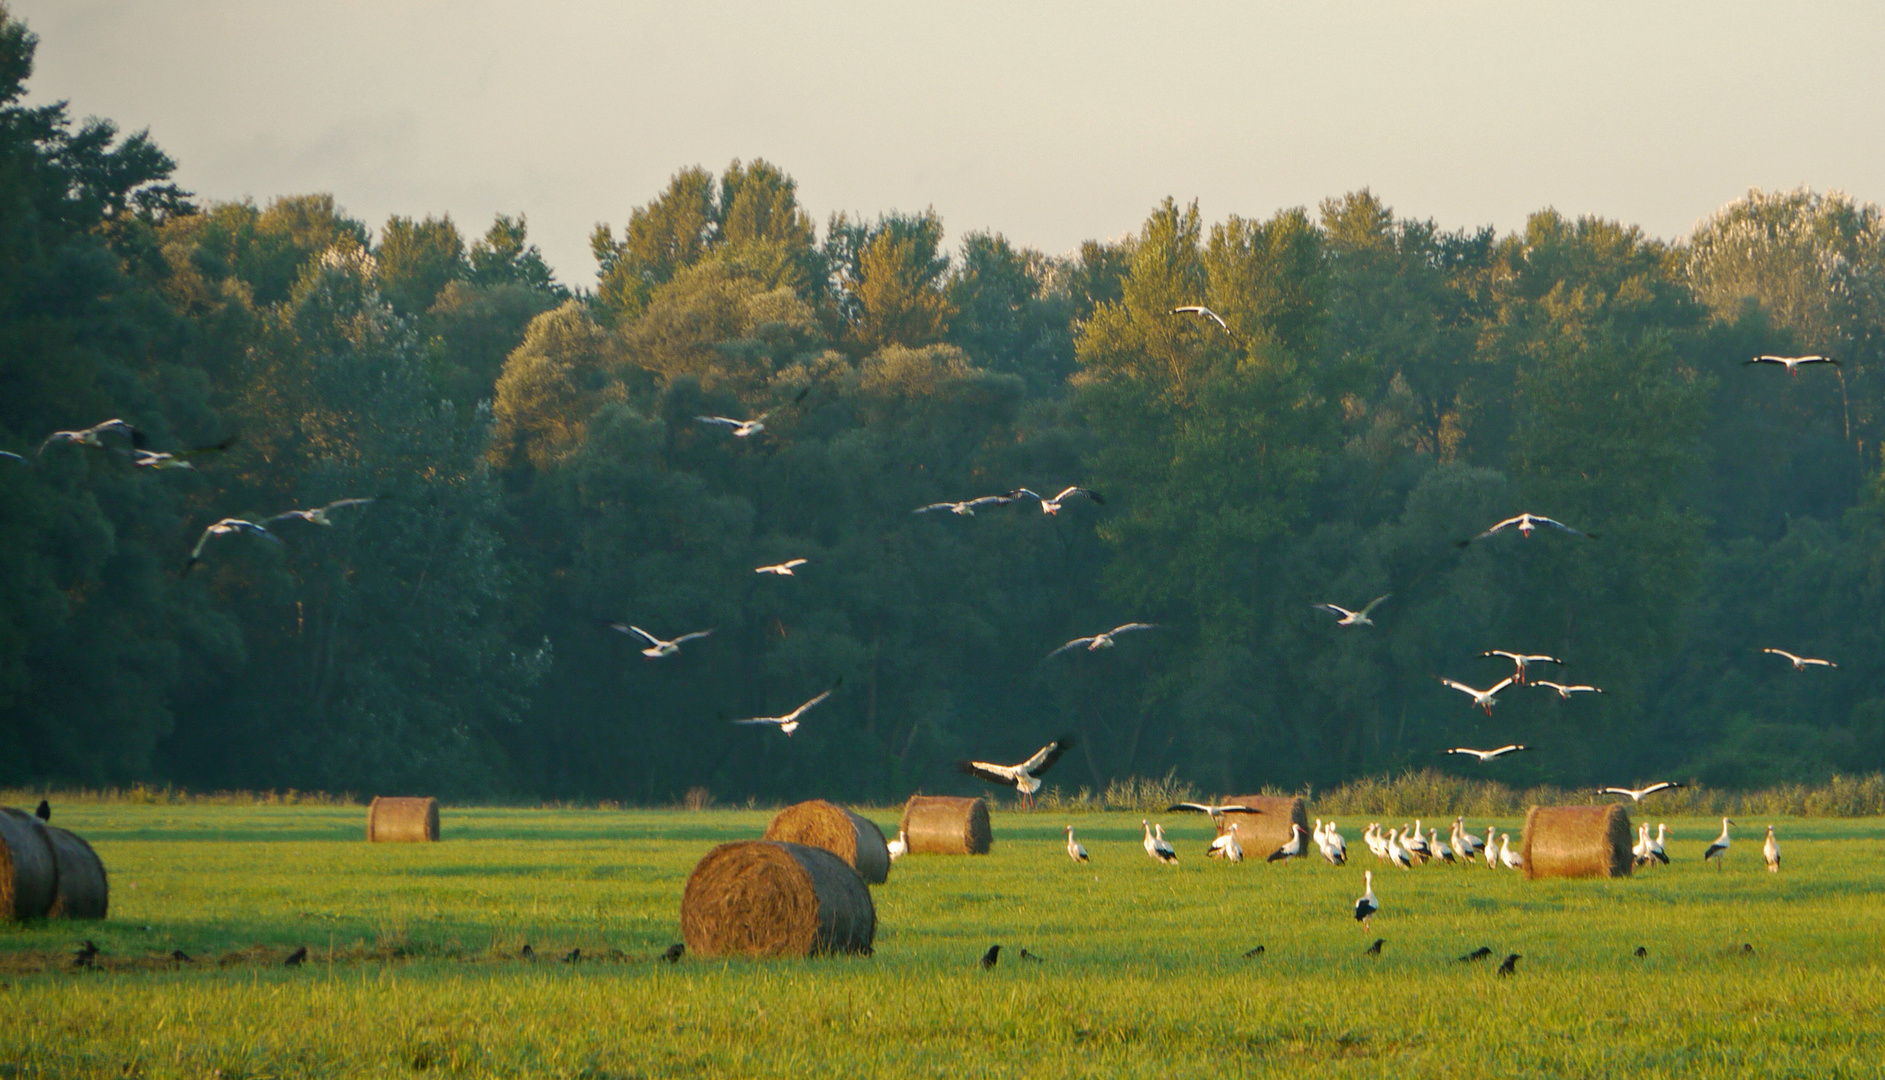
[(414, 966)]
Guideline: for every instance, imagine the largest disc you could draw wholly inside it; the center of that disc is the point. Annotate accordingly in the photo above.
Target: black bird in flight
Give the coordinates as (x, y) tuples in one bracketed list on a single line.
[(526, 953), (43, 811), (296, 958), (1375, 949), (991, 957), (1511, 964), (85, 954), (574, 955), (1258, 951), (673, 955), (1641, 952), (181, 957), (1477, 954), (1026, 955)]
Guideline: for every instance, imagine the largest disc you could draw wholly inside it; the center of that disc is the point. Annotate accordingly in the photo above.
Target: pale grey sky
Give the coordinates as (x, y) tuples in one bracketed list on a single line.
[(1051, 122)]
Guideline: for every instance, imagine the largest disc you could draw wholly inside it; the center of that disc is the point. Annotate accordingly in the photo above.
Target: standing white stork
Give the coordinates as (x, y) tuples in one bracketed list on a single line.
[(1507, 857), (1075, 850), (1800, 663), (1485, 699), (1653, 847), (657, 648), (1026, 777), (900, 846), (1415, 843), (1719, 848), (741, 428), (1435, 849), (1490, 849), (1565, 691), (1466, 847), (1226, 847), (1521, 661), (783, 569), (1397, 852), (1053, 505), (1639, 853), (1102, 641), (1771, 849), (1354, 618), (790, 721), (1157, 848), (1203, 313), (1487, 755), (1293, 848), (1366, 906), (1792, 363), (1526, 523), (1636, 794)]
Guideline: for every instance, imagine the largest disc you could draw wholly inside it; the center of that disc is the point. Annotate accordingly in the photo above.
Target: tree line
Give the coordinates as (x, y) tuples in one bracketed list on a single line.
[(1381, 388)]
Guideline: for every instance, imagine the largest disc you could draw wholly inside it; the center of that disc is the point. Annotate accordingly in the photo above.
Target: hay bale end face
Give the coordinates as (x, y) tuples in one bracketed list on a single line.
[(943, 825), (772, 898), (84, 891), (403, 819), (1261, 834), (1577, 841), (858, 841), (29, 870)]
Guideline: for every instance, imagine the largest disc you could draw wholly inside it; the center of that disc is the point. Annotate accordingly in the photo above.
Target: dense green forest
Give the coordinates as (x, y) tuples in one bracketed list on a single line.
[(1382, 389)]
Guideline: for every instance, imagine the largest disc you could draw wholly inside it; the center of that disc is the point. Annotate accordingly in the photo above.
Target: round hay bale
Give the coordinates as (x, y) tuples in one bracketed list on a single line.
[(84, 891), (29, 871), (400, 818), (1261, 834), (1577, 841), (858, 841), (773, 898), (943, 825)]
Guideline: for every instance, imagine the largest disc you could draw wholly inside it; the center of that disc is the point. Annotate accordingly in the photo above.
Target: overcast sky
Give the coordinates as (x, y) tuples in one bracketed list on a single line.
[(1051, 121)]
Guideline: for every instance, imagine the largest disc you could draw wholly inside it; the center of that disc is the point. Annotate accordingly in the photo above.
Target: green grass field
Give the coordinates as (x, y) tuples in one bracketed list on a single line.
[(414, 970)]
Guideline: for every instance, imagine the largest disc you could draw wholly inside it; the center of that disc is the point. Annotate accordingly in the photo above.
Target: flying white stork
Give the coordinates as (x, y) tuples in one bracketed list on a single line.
[(94, 435), (1354, 618), (967, 506), (318, 515), (1792, 363), (1526, 523), (1800, 663), (740, 428), (790, 721), (225, 527), (153, 459), (783, 569), (1102, 641), (1026, 776), (1157, 848), (1636, 794), (1520, 661), (1485, 699), (1366, 906), (1053, 505), (1719, 848), (1203, 313), (1771, 850), (1565, 691), (1075, 850), (1487, 755), (1216, 812), (657, 648)]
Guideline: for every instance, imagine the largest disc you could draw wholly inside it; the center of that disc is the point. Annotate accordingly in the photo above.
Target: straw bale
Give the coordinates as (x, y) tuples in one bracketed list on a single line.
[(84, 891), (943, 825), (401, 818), (1261, 834), (773, 898), (29, 871), (1577, 841), (858, 841)]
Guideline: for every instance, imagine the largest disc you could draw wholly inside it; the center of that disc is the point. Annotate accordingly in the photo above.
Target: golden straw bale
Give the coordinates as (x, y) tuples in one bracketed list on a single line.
[(29, 871), (84, 891), (772, 898), (1577, 841), (1261, 834), (820, 824), (400, 818), (943, 825)]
